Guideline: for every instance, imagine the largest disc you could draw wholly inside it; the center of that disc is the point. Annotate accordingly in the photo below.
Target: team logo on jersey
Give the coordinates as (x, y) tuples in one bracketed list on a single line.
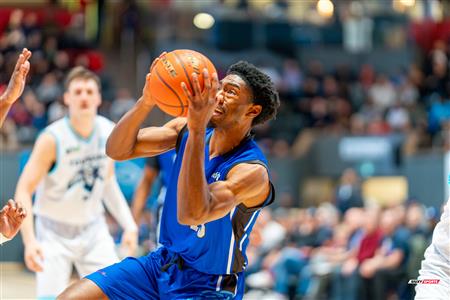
[(87, 176), (200, 229), (72, 149), (215, 176)]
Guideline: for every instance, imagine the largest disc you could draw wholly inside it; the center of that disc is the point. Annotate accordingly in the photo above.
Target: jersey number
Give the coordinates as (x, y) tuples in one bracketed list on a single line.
[(200, 229)]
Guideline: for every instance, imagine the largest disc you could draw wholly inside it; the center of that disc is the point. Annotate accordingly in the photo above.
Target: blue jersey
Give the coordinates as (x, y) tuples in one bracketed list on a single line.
[(163, 164), (166, 161), (217, 247)]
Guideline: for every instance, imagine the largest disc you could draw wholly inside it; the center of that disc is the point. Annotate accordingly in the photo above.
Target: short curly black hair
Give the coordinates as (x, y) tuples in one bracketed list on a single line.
[(264, 92)]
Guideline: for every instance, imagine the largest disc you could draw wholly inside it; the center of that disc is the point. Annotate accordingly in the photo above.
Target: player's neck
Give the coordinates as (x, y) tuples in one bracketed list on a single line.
[(225, 140), (83, 126)]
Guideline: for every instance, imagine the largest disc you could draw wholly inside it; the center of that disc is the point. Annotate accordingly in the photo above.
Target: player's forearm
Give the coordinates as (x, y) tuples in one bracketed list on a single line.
[(193, 192), (140, 197), (122, 140), (27, 229), (117, 205), (5, 106)]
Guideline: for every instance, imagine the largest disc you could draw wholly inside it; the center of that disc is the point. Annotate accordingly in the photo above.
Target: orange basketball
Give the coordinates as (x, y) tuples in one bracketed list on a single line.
[(169, 72)]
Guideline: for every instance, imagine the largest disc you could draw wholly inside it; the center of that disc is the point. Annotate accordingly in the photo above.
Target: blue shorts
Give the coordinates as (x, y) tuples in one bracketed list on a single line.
[(163, 275)]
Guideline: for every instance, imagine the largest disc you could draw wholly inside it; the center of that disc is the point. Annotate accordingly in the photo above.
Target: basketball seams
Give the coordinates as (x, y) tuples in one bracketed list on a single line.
[(180, 61), (167, 108), (167, 75), (170, 88), (164, 103)]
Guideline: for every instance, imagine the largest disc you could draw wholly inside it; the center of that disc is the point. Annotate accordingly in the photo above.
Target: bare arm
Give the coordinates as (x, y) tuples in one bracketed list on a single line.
[(199, 203), (16, 84), (393, 260), (128, 141), (40, 162), (118, 207), (142, 191)]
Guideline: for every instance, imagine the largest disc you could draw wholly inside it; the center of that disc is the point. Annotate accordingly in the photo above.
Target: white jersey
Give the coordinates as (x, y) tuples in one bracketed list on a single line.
[(441, 235), (72, 191), (436, 264)]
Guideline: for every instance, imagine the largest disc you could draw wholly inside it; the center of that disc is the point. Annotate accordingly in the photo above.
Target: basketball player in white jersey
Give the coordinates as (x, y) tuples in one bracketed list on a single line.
[(12, 214), (72, 174), (436, 264)]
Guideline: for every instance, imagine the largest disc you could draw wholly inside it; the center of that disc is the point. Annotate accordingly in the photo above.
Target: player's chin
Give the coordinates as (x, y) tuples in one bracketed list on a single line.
[(87, 112), (213, 122)]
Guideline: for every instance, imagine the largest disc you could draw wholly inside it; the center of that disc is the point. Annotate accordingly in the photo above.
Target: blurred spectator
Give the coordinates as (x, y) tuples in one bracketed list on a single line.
[(397, 117), (123, 103), (291, 80), (438, 81), (346, 280), (348, 192), (384, 272), (56, 110), (439, 113), (344, 245), (49, 90), (382, 93)]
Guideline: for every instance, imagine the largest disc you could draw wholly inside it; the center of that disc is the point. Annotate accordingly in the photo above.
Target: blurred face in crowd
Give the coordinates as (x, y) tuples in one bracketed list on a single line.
[(414, 216), (354, 218), (388, 221), (371, 217), (82, 97)]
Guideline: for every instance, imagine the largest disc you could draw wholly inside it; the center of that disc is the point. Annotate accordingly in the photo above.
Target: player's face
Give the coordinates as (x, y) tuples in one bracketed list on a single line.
[(234, 103), (82, 97)]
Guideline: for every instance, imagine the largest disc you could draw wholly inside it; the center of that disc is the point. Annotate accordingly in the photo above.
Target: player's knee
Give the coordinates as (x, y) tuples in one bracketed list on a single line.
[(83, 289)]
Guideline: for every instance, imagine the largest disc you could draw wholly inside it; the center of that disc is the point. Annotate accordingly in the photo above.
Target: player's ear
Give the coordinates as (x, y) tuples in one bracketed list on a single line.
[(254, 110), (66, 98)]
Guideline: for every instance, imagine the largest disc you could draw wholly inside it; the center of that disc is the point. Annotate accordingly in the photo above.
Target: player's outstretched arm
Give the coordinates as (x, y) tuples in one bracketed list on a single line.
[(128, 141), (16, 84), (40, 162), (11, 217)]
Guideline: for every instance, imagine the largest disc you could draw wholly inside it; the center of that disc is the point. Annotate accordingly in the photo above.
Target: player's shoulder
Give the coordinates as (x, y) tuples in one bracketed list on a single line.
[(104, 123), (250, 149), (56, 128)]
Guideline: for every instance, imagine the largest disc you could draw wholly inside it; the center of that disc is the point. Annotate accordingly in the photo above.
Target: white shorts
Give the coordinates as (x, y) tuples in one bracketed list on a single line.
[(89, 248), (435, 266)]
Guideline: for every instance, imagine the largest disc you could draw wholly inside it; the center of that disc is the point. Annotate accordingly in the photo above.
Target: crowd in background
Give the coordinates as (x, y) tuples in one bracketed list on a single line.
[(321, 253), (56, 47), (335, 251), (413, 103)]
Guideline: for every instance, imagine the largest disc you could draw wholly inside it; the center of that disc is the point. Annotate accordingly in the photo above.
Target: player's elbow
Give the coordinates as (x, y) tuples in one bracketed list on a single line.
[(190, 218), (114, 153)]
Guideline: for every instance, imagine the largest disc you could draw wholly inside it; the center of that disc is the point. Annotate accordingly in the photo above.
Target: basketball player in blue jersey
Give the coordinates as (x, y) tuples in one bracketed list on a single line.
[(161, 166), (218, 186), (13, 213)]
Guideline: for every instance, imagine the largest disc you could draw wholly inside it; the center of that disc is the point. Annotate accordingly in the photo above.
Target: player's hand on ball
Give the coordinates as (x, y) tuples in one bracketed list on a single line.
[(34, 257), (201, 103), (146, 95), (129, 242)]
